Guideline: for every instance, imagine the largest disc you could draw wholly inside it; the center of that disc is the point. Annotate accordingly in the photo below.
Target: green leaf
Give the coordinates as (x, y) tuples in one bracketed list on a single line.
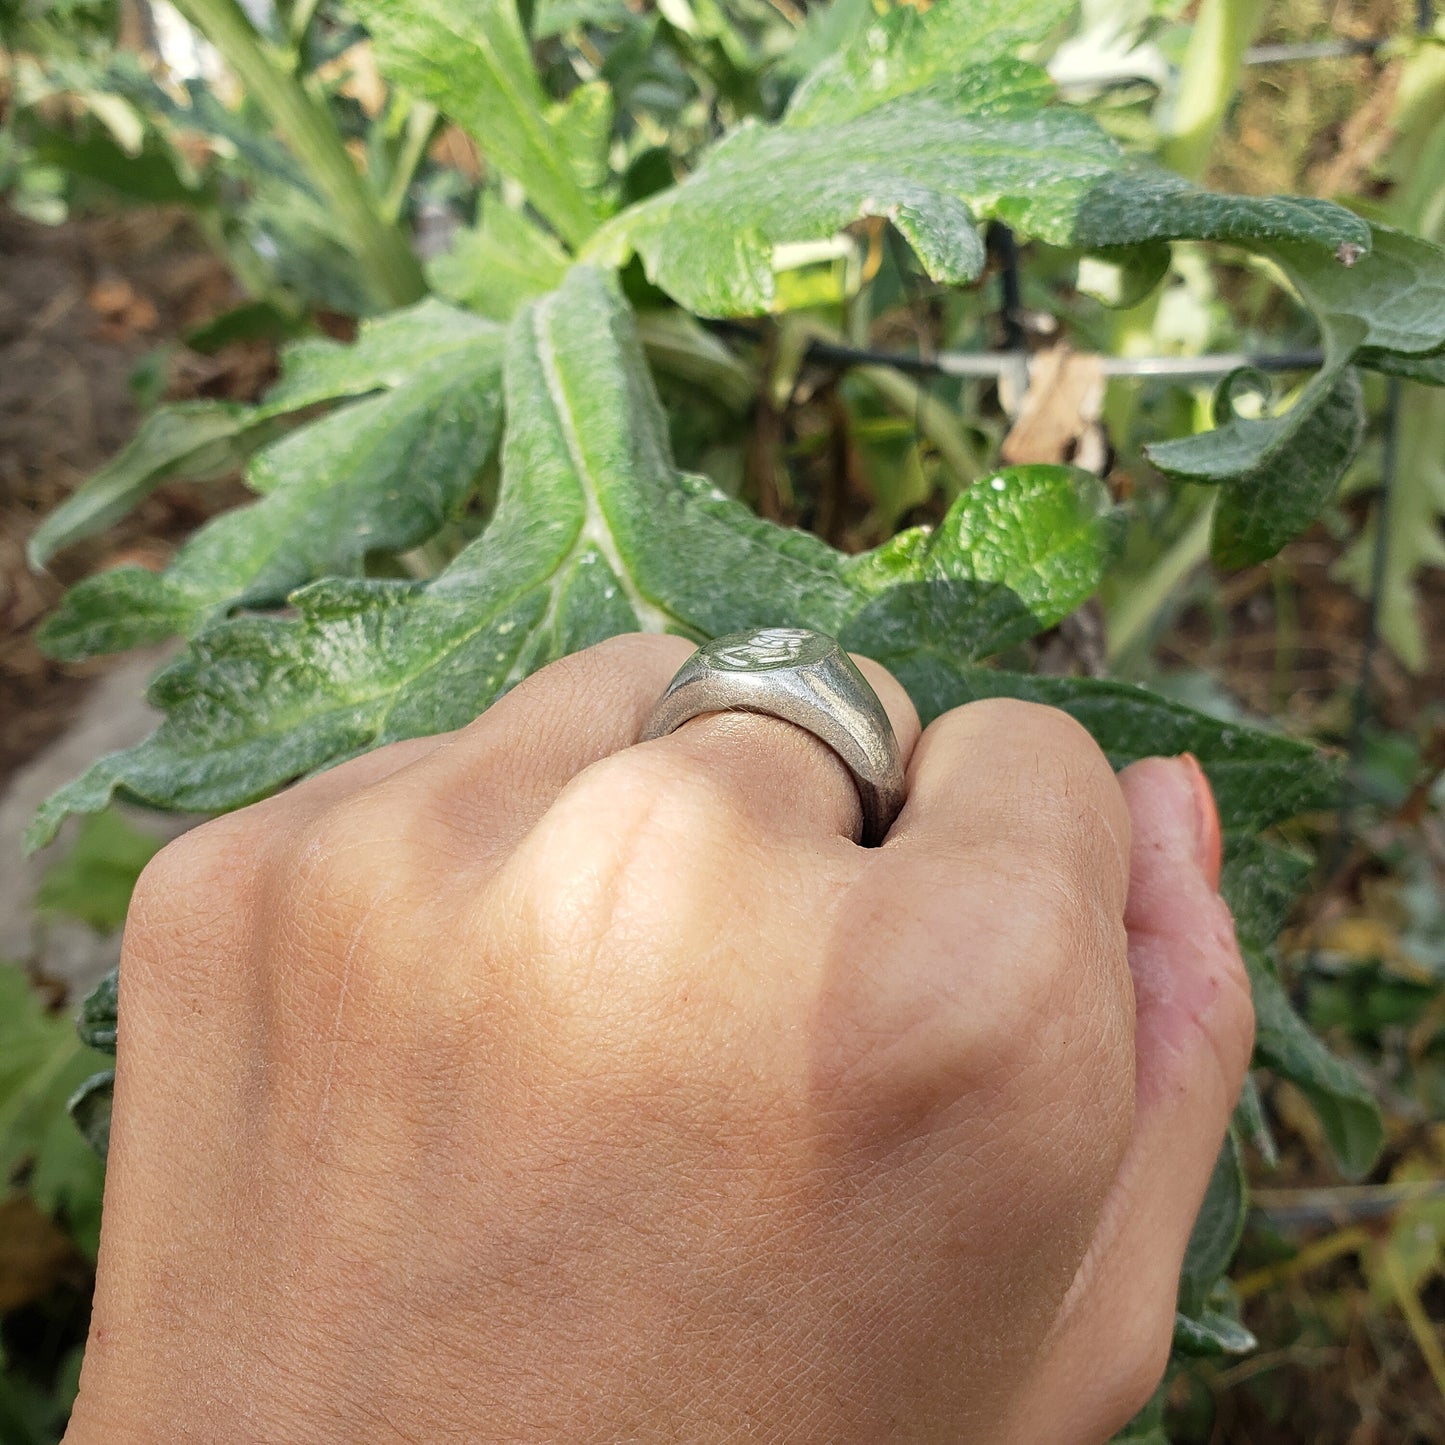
[(207, 438), (386, 354), (1207, 1321), (90, 1108), (1427, 369), (381, 474), (94, 881), (595, 533), (249, 321), (1029, 543), (926, 122), (1385, 309), (1212, 1332), (96, 1024), (935, 52), (41, 1064), (1284, 1043), (825, 30), (1278, 472), (556, 17), (1262, 881), (1253, 1127), (582, 125), (713, 241), (1258, 778), (499, 265), (149, 175), (195, 439), (472, 62), (1217, 1228), (1392, 298)]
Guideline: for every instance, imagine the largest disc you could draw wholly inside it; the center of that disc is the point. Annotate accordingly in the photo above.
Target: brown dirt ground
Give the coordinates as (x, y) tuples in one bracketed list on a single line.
[(81, 307)]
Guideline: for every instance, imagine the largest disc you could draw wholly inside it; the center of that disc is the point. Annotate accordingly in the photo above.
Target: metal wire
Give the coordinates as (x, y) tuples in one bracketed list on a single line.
[(1286, 54), (988, 365)]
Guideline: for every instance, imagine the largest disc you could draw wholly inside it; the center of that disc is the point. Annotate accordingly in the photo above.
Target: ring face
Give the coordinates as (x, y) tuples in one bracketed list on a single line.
[(805, 678), (767, 648)]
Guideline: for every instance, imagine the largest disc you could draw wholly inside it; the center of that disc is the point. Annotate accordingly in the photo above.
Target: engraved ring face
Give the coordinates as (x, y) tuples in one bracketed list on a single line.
[(804, 678), (767, 648)]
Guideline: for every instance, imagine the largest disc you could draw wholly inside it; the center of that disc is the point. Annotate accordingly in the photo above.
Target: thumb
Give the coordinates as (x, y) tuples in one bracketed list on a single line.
[(1194, 1032)]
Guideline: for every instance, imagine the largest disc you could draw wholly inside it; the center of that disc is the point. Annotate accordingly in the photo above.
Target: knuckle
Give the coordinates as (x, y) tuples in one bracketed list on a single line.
[(350, 850), (613, 847), (195, 876), (656, 799), (612, 897), (1047, 730), (190, 911), (1067, 808)]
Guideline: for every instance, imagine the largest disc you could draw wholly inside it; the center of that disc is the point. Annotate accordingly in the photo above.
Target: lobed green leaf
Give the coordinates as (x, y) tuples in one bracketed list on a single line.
[(935, 171), (41, 1064), (931, 122), (497, 266), (197, 439), (1385, 309), (595, 533), (1217, 1228), (473, 63), (969, 58), (383, 473)]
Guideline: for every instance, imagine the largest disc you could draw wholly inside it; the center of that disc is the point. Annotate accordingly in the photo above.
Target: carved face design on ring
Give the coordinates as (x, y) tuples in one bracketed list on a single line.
[(768, 647)]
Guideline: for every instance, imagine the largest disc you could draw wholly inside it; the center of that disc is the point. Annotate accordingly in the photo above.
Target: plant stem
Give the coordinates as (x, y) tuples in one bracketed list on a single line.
[(1222, 32), (1408, 1298), (1208, 79), (420, 123), (1353, 1240), (1132, 620), (381, 250), (935, 420)]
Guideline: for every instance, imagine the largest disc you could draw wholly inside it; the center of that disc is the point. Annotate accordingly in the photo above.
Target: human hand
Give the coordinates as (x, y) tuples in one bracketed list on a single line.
[(525, 1085)]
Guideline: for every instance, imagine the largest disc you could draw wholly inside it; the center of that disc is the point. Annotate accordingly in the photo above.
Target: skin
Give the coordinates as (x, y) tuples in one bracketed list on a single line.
[(528, 1085)]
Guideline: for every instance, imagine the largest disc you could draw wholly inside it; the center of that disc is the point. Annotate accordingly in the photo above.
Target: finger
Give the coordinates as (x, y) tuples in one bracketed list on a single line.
[(781, 777), (1003, 781), (486, 785), (1194, 1034)]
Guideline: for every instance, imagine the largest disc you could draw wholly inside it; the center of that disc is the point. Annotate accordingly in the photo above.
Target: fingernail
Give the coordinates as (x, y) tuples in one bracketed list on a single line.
[(1208, 845)]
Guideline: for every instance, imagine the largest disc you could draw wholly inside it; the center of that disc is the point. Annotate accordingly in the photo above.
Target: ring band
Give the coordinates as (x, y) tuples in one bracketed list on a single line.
[(805, 678)]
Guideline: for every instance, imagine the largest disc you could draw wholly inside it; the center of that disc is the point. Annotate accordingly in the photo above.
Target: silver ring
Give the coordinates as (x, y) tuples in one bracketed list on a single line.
[(806, 679)]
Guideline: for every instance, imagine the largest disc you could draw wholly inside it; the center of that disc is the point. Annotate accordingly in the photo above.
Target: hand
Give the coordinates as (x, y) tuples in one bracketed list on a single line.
[(525, 1085)]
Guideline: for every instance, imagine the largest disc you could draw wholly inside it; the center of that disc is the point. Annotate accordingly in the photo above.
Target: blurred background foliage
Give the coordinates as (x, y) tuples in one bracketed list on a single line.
[(159, 242)]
